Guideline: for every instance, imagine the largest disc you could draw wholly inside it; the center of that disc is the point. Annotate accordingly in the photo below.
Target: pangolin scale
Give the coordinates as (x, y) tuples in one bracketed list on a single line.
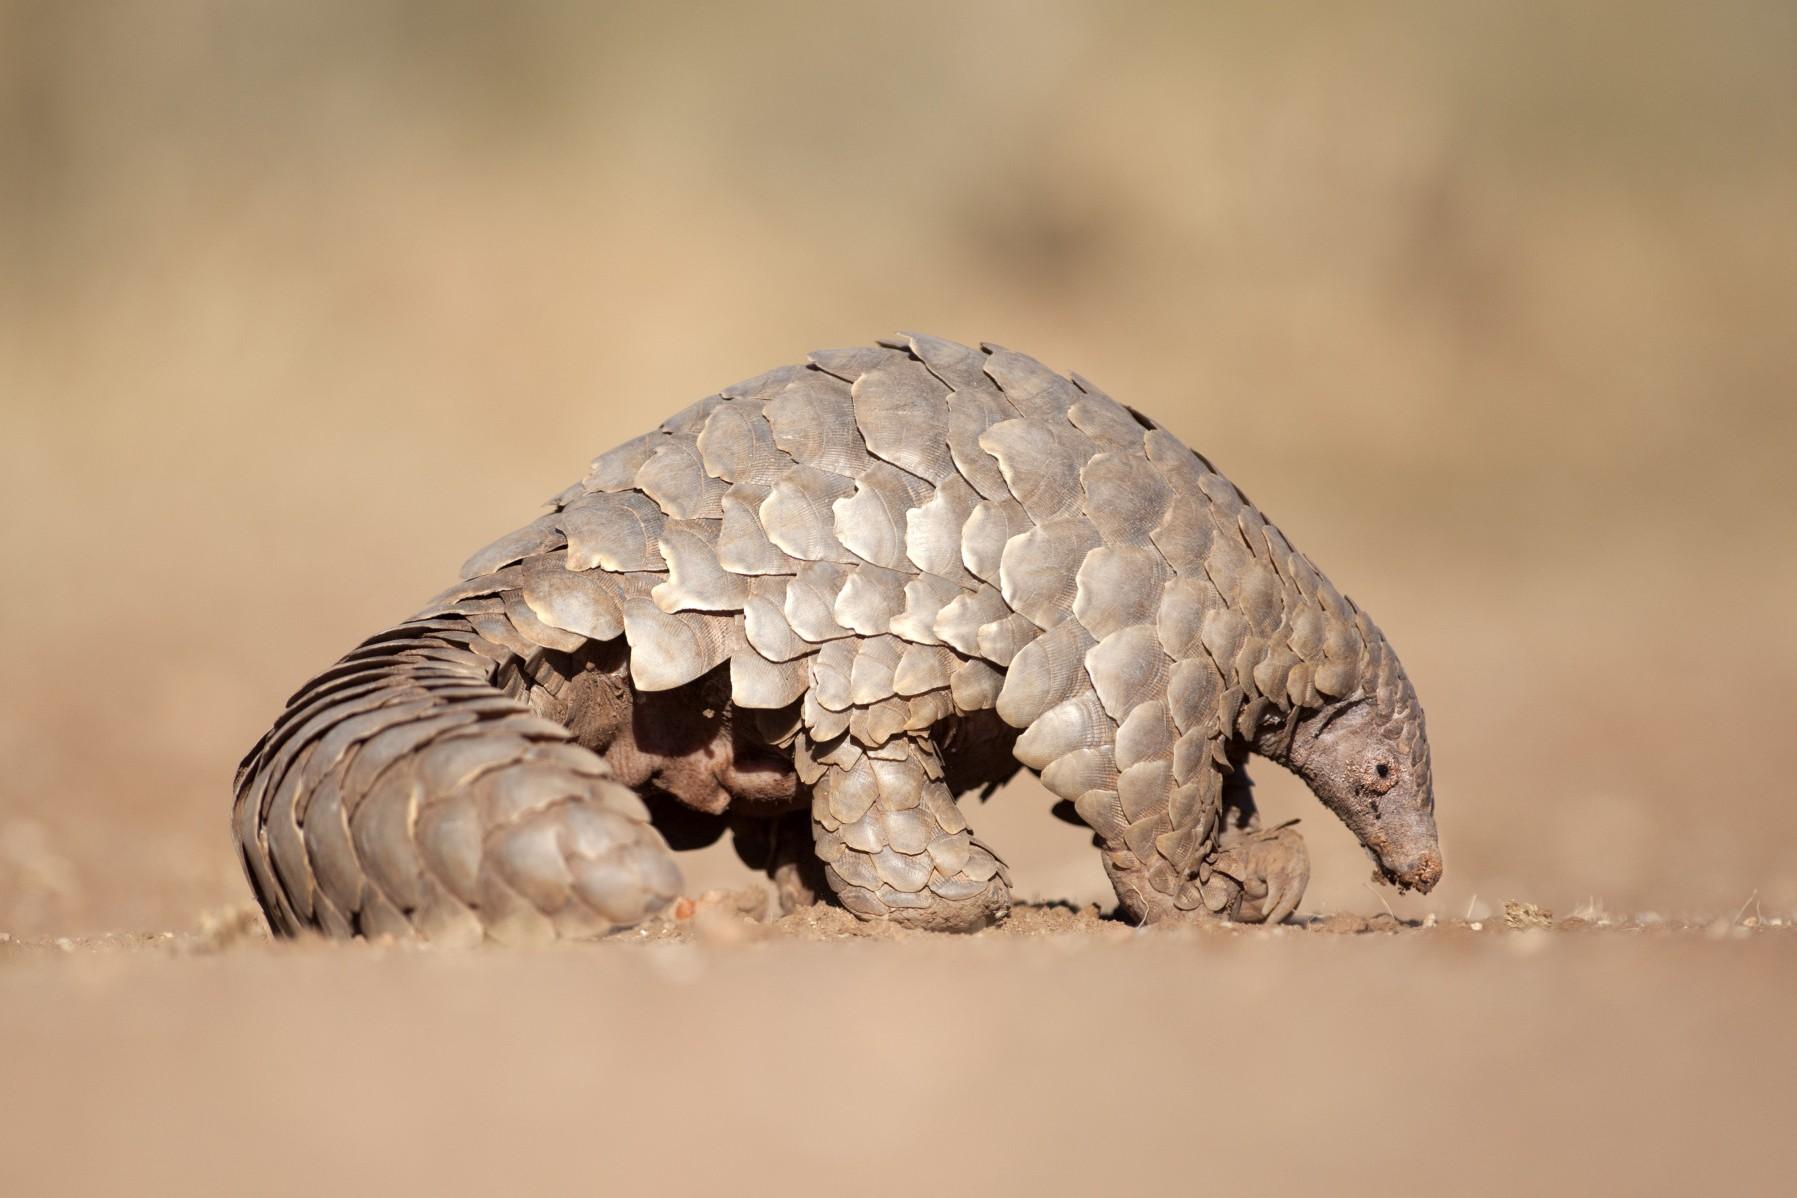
[(815, 608)]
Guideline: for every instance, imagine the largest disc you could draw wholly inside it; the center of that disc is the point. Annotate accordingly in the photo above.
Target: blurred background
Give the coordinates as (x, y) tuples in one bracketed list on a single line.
[(1492, 308)]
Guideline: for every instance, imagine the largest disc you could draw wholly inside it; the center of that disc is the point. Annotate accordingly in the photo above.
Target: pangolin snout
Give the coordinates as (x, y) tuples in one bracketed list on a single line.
[(1420, 872)]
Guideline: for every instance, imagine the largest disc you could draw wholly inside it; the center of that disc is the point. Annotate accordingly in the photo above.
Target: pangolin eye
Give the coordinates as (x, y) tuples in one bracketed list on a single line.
[(1382, 777)]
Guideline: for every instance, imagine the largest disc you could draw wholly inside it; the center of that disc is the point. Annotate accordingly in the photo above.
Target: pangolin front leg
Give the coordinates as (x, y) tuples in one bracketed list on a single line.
[(1272, 865), (1271, 868)]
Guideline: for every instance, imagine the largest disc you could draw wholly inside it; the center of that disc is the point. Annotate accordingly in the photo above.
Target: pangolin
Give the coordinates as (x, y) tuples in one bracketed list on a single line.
[(815, 608)]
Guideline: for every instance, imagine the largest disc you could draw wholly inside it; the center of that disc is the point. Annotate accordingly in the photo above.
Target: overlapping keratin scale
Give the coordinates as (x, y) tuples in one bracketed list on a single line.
[(813, 422), (737, 444), (873, 522), (902, 411)]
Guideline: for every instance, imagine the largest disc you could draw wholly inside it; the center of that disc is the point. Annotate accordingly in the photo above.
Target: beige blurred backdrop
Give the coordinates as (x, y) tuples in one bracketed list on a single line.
[(1492, 307)]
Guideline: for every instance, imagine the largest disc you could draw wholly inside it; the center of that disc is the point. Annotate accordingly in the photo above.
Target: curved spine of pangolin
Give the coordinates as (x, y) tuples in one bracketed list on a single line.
[(853, 565)]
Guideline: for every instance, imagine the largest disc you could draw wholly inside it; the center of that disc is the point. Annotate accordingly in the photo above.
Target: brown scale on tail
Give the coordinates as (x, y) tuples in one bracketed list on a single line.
[(818, 607)]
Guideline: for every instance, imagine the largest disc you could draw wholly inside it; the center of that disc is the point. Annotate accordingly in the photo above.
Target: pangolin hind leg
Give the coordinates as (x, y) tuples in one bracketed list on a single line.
[(895, 844), (701, 764)]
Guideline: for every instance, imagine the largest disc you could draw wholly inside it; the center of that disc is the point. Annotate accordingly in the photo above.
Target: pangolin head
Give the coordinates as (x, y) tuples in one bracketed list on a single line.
[(1367, 758)]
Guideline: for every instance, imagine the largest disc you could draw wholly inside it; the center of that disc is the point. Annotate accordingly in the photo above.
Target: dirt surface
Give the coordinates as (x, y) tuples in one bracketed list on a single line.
[(1489, 307), (1063, 1054)]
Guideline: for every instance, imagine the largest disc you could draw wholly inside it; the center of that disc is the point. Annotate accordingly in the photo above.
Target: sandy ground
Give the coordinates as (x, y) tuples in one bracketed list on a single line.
[(1490, 307), (1063, 1055)]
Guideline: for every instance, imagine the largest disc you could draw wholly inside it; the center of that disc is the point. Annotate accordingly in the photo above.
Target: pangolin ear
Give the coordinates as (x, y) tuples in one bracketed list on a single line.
[(1332, 713)]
